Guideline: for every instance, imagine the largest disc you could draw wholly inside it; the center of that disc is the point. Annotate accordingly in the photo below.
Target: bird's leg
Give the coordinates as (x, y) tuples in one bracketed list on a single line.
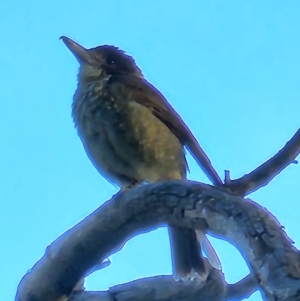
[(132, 184)]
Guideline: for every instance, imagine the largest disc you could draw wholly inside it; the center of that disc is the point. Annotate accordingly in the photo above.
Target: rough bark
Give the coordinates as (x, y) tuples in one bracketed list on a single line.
[(269, 253)]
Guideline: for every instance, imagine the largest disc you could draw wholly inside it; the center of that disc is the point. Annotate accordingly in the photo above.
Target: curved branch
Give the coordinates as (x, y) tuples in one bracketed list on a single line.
[(242, 289), (257, 234), (263, 174)]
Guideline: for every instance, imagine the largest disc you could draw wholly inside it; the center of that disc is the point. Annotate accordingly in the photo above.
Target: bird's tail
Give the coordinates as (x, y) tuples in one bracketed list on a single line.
[(187, 260), (203, 161)]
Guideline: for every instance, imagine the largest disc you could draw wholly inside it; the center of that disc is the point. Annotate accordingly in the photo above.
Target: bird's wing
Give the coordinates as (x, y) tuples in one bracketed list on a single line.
[(147, 95)]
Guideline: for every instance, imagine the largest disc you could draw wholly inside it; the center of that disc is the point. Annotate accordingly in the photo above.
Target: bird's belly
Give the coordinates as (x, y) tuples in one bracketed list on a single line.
[(106, 159), (140, 148)]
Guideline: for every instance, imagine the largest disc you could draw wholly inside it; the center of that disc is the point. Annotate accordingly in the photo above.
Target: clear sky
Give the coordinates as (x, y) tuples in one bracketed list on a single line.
[(231, 70)]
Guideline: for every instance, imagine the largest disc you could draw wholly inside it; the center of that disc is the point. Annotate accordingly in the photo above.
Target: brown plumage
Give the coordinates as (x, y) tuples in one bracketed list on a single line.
[(132, 135)]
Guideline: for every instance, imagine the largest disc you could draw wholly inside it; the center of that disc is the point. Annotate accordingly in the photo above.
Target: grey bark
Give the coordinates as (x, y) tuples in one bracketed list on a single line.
[(269, 253)]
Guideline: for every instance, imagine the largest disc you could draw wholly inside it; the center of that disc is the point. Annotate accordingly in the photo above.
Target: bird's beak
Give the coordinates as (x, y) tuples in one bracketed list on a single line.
[(81, 53)]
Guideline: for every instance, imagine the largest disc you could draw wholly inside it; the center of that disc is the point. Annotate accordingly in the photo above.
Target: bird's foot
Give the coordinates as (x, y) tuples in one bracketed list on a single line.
[(132, 185)]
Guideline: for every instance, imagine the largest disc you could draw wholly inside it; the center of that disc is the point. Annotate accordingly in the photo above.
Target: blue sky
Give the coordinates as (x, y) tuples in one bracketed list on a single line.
[(231, 70)]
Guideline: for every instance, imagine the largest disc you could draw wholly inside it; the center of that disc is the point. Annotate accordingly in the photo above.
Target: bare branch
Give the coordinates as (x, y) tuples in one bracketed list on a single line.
[(161, 288), (257, 234), (242, 289), (263, 174), (164, 288)]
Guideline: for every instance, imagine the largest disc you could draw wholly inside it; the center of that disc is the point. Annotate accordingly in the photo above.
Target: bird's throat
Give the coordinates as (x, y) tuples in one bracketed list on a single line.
[(88, 73)]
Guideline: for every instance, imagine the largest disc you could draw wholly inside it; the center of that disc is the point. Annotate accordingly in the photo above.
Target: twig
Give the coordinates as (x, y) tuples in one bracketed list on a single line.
[(263, 174)]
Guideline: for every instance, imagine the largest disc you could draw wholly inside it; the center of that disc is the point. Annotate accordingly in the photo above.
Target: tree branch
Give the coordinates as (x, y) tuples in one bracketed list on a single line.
[(242, 289), (164, 288), (254, 231), (263, 174), (160, 288)]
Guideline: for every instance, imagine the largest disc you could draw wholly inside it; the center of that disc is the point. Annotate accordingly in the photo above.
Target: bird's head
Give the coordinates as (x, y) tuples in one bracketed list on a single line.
[(102, 61)]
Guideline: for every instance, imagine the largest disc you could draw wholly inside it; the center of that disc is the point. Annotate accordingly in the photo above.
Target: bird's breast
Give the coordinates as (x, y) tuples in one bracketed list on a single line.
[(123, 137), (95, 109)]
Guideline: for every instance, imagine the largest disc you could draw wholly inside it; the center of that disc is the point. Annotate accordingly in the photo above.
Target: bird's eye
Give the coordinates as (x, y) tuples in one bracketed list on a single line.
[(110, 60)]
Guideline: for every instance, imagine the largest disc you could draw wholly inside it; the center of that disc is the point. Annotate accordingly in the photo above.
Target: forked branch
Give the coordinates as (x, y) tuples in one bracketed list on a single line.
[(263, 174)]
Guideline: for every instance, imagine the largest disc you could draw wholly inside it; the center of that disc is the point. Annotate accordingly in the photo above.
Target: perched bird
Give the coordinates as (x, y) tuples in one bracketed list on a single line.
[(132, 135)]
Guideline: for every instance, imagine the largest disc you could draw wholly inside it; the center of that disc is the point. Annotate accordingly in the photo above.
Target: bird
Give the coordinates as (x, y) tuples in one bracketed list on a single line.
[(133, 136)]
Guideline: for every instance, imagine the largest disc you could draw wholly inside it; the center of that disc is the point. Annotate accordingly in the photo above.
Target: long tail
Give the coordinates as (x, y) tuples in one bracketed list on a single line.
[(187, 260), (203, 161)]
